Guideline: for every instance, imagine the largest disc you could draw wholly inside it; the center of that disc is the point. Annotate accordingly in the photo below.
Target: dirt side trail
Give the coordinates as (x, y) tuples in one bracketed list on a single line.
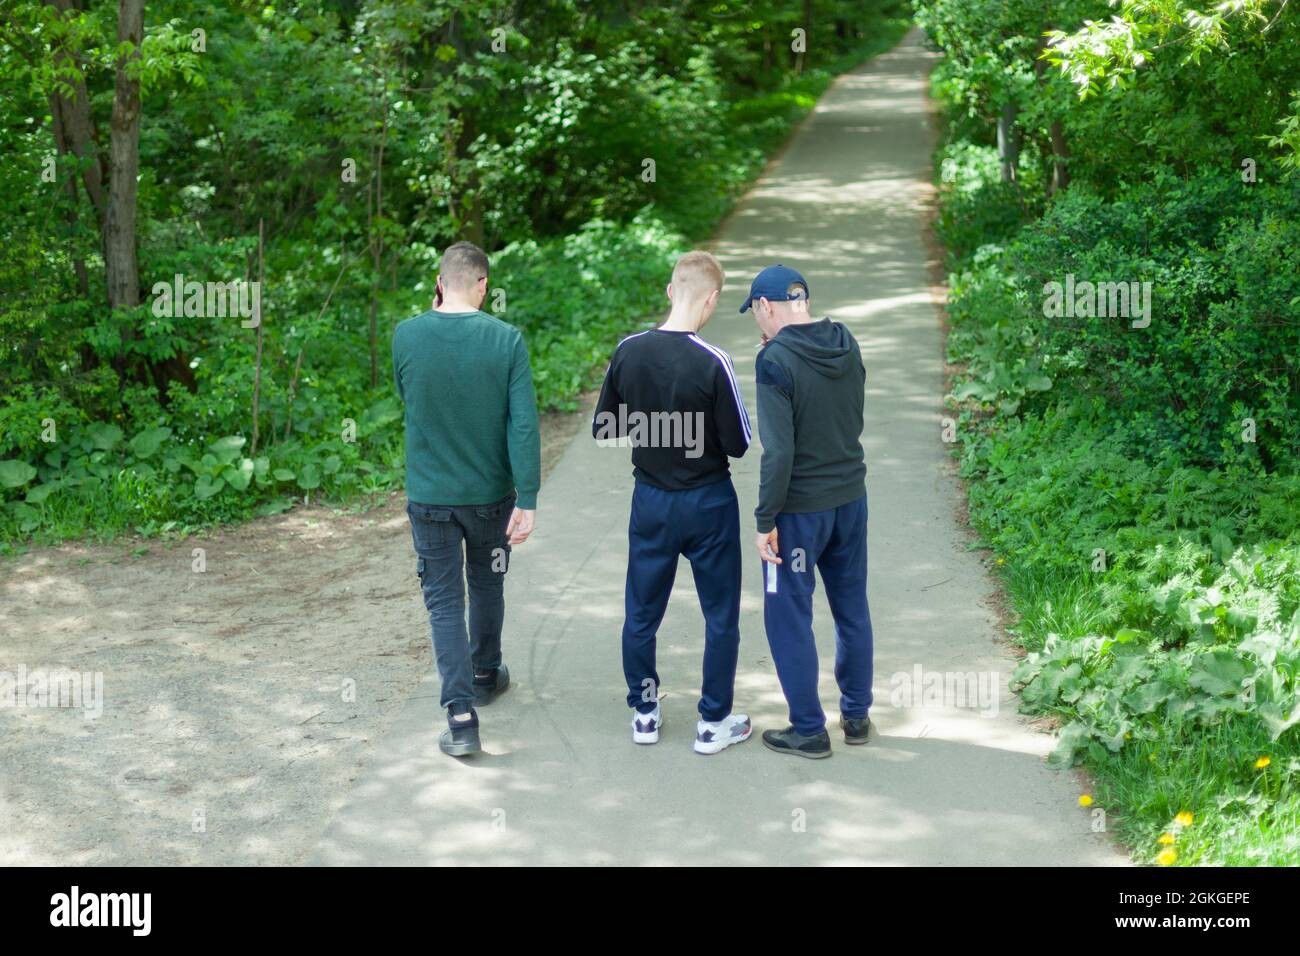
[(238, 703)]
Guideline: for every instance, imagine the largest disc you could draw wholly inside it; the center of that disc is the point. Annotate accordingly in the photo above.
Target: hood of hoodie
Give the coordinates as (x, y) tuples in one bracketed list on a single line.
[(825, 345)]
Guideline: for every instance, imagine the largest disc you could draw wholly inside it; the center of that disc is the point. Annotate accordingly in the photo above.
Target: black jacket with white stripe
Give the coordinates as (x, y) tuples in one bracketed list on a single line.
[(676, 399)]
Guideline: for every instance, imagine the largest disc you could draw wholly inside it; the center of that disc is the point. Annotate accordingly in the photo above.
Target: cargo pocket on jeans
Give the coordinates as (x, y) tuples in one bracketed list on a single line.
[(491, 522), (427, 526)]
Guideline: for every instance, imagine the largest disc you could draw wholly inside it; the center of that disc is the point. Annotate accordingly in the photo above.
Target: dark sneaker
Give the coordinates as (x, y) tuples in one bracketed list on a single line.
[(788, 742), (488, 687), (460, 739), (856, 729)]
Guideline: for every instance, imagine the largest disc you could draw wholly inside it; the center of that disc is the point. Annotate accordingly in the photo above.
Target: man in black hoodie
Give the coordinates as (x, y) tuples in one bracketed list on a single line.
[(812, 507)]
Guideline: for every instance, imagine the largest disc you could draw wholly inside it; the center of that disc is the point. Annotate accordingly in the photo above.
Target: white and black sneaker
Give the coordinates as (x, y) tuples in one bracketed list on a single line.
[(645, 727), (711, 737)]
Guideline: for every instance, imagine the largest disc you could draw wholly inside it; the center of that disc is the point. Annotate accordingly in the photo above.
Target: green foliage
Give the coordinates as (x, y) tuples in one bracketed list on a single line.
[(1221, 356), (536, 151), (1139, 486), (578, 295), (156, 483)]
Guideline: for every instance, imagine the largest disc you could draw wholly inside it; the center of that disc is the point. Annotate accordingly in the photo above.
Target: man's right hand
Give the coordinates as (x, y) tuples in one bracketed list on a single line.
[(520, 526), (766, 543)]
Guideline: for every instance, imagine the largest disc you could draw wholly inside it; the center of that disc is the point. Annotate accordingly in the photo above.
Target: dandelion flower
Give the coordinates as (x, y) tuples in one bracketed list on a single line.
[(1085, 800), (1166, 857), (1263, 762), (1184, 819), (1165, 839)]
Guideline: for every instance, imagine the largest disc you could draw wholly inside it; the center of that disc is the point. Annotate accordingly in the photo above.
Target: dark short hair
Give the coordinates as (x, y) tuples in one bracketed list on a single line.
[(462, 265)]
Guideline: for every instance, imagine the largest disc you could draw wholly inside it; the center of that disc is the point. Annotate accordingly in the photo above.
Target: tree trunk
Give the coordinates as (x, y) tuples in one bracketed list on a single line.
[(463, 203), (1060, 159), (257, 362), (377, 238), (69, 187), (1056, 133), (121, 266), (1008, 147), (807, 32), (78, 127)]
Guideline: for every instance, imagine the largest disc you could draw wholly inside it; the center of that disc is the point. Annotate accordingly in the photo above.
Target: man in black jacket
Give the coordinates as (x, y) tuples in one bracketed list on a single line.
[(812, 507), (674, 397)]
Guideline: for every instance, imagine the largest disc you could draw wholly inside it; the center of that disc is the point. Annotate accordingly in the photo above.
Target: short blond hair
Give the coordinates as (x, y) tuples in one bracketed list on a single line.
[(697, 274)]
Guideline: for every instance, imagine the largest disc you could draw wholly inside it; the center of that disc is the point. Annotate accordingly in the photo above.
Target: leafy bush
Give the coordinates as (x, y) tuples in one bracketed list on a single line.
[(1221, 357), (538, 155), (1148, 539), (156, 483), (578, 295)]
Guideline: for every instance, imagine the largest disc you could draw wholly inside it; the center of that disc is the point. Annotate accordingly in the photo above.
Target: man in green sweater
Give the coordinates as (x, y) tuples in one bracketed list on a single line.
[(473, 468)]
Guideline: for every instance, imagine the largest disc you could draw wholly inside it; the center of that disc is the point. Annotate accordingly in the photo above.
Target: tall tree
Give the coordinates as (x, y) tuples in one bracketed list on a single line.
[(121, 263)]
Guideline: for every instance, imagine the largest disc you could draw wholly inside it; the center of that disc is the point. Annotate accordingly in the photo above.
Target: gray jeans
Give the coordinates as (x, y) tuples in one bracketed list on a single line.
[(455, 544)]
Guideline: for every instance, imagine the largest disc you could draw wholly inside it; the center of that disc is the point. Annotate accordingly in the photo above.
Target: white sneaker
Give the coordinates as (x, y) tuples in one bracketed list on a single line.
[(645, 727), (713, 737)]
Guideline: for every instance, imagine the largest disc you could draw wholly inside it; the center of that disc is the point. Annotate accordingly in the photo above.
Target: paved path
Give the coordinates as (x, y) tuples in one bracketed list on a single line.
[(560, 781)]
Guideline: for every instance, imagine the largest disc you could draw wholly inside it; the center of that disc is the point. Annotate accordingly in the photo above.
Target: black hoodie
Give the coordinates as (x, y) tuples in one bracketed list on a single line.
[(810, 395)]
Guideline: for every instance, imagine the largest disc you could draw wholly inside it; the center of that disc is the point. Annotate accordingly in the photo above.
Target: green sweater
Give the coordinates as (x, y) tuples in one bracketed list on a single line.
[(471, 416)]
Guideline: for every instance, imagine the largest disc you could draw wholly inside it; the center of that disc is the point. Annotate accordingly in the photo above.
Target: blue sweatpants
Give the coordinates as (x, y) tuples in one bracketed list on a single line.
[(704, 525), (835, 543)]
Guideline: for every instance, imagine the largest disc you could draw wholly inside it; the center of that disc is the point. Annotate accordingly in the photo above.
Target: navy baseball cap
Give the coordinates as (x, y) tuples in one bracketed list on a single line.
[(773, 284)]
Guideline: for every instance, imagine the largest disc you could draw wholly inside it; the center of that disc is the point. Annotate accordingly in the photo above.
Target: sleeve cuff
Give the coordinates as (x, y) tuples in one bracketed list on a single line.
[(527, 500)]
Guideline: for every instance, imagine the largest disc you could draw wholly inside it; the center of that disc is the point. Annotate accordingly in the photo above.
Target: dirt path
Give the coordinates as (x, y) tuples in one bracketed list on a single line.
[(238, 704)]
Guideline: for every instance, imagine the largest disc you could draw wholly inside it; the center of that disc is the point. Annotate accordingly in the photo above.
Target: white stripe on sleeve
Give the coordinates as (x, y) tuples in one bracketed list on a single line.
[(725, 360)]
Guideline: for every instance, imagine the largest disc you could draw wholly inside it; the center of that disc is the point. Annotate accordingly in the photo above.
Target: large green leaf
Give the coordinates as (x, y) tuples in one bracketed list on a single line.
[(1147, 697), (1279, 721), (15, 474), (239, 476), (207, 486), (310, 477), (103, 436), (149, 441), (1218, 672), (226, 450), (38, 493), (29, 519)]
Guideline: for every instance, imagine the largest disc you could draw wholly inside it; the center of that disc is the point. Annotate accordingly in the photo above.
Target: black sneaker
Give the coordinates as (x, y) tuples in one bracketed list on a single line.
[(856, 729), (488, 687), (788, 742), (460, 739)]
